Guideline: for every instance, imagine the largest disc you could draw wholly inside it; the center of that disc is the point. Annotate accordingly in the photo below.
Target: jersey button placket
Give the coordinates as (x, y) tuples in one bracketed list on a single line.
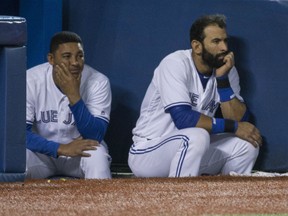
[(62, 106)]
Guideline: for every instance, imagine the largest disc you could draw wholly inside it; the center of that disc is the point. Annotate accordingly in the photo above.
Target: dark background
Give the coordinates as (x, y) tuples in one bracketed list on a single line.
[(126, 39)]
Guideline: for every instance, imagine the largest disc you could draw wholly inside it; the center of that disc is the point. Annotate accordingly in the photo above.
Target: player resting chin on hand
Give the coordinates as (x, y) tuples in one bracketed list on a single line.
[(178, 133), (67, 114)]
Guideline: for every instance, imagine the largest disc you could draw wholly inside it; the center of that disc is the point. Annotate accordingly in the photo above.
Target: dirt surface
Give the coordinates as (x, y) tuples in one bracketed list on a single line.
[(152, 196)]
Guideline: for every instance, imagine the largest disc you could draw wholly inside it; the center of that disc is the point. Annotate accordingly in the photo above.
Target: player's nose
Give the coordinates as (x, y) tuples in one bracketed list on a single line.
[(74, 61), (223, 46)]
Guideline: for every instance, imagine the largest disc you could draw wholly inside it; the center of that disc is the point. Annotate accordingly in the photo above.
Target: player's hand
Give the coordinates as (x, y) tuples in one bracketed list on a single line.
[(77, 147), (250, 133), (228, 61), (69, 84)]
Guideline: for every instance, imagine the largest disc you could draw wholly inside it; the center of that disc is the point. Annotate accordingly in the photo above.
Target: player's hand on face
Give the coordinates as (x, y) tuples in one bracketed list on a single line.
[(228, 61), (69, 84), (250, 133), (78, 147), (66, 81)]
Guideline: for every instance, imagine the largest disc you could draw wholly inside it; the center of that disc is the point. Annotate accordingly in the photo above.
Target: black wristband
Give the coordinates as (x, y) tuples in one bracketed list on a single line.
[(229, 126), (220, 125), (223, 83)]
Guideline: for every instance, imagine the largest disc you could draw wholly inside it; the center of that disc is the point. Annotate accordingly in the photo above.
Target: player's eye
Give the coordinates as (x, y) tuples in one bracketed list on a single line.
[(66, 56), (80, 56), (216, 41)]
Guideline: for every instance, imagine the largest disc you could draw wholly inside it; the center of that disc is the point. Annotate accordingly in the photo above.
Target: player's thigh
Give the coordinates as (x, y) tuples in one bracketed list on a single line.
[(69, 166), (39, 165), (98, 162), (232, 145), (153, 158)]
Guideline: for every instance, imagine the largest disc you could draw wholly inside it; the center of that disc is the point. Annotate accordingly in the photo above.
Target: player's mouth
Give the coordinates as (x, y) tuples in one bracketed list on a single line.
[(222, 55), (75, 71)]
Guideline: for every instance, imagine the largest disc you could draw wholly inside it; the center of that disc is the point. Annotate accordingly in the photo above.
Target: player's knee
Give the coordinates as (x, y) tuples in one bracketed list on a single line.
[(199, 140), (98, 165), (250, 152)]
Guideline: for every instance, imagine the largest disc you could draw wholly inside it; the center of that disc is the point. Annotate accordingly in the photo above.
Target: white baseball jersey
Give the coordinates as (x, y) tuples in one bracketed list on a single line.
[(47, 106), (176, 82)]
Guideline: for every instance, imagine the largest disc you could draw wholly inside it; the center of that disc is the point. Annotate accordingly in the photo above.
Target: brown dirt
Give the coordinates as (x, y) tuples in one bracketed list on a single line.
[(152, 196)]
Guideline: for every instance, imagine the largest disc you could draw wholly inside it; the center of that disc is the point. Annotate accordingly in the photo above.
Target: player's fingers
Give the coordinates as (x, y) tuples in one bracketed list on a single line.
[(256, 144), (257, 137), (88, 148), (256, 141), (65, 70), (85, 154), (259, 141), (59, 72), (79, 77), (92, 142), (230, 57), (228, 60)]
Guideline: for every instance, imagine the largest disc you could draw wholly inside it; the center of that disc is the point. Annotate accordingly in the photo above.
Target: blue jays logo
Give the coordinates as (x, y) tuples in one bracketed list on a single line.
[(52, 116), (211, 106)]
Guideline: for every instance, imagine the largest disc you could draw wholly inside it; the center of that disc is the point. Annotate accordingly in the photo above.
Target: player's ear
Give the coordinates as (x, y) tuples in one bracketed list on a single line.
[(50, 58), (196, 46)]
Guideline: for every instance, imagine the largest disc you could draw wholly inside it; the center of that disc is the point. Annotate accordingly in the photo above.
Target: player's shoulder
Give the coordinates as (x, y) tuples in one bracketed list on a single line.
[(180, 55), (37, 72), (182, 58), (91, 73)]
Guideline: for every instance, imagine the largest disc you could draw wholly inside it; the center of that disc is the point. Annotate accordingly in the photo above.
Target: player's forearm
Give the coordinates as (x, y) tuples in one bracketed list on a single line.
[(89, 126), (233, 109), (36, 143), (217, 125), (205, 122), (184, 117)]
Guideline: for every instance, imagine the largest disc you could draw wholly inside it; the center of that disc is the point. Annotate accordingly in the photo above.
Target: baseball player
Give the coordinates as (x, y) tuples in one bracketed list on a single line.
[(177, 133), (67, 114)]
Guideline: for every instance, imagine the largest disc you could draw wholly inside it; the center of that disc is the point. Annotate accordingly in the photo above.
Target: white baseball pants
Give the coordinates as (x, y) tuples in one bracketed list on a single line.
[(97, 166), (191, 152)]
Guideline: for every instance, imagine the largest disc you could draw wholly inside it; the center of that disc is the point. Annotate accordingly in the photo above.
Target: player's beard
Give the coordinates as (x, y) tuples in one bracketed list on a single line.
[(213, 61)]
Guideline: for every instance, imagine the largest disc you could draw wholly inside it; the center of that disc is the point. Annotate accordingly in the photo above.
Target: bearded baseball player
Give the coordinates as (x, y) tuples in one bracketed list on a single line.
[(177, 133), (67, 114)]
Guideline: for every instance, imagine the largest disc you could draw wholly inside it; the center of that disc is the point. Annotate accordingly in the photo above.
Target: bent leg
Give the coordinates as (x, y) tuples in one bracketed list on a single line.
[(228, 153), (98, 165), (39, 166), (176, 155)]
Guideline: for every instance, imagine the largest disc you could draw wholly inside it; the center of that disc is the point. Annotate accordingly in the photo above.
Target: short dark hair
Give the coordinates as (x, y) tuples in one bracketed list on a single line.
[(197, 28), (63, 37)]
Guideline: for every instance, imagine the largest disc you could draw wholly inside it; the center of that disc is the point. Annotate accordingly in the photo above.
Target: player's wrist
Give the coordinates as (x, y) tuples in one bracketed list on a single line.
[(73, 99), (61, 150), (224, 89), (220, 125)]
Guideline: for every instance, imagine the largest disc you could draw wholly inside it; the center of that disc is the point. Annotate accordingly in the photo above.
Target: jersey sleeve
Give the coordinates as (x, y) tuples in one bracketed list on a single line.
[(99, 101), (171, 79), (30, 106), (235, 83)]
